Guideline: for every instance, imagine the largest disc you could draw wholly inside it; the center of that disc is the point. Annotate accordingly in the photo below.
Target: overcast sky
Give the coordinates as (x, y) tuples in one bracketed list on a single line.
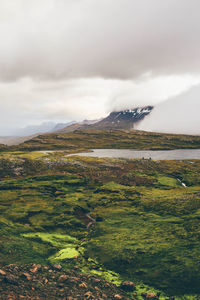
[(62, 60)]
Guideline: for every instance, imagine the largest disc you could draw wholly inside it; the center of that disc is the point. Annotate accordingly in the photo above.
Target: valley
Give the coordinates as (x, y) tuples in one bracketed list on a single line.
[(117, 219)]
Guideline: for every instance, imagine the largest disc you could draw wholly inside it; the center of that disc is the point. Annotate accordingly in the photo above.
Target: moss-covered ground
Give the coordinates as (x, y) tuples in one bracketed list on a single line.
[(120, 219)]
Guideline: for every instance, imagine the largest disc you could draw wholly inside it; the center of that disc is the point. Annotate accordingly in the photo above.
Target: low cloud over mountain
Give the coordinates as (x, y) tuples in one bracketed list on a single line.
[(177, 115)]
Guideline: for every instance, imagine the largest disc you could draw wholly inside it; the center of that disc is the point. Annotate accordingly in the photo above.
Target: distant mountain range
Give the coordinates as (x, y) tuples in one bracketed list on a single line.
[(125, 119), (41, 128)]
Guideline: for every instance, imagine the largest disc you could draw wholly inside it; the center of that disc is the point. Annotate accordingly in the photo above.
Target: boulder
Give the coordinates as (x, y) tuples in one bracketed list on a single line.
[(128, 286)]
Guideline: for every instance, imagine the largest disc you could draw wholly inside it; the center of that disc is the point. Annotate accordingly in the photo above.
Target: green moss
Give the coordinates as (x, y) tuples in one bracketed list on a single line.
[(168, 181), (55, 239), (66, 253)]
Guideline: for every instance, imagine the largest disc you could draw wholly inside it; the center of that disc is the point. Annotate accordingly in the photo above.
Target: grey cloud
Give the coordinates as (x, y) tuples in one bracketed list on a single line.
[(108, 38)]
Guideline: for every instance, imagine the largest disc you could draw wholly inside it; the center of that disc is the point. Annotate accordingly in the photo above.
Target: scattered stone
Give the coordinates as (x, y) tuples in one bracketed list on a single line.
[(35, 268), (151, 296), (88, 296), (128, 286), (96, 280), (2, 272), (63, 278), (108, 284), (83, 285), (11, 280), (117, 296), (26, 276), (45, 281), (20, 283), (57, 267)]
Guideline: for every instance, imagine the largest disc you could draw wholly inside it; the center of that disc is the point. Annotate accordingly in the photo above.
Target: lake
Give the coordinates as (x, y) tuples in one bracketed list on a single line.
[(179, 154)]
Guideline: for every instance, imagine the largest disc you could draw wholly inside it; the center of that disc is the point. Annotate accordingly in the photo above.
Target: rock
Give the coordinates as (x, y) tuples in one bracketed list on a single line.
[(117, 296), (2, 272), (88, 296), (75, 278), (83, 285), (35, 268), (128, 286), (45, 281), (11, 280), (57, 267), (96, 279), (26, 276), (63, 278), (151, 296)]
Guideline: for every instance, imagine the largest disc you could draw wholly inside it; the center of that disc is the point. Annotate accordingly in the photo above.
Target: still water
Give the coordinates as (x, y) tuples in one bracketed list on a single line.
[(178, 154)]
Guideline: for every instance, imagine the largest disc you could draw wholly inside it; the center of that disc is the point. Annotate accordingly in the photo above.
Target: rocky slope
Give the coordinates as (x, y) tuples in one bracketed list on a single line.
[(52, 282)]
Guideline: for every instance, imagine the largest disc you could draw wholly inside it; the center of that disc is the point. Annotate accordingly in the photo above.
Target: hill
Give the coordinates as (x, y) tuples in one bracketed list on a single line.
[(116, 139)]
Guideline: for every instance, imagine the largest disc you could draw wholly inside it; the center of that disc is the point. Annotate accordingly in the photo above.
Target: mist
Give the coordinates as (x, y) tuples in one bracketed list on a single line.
[(179, 114)]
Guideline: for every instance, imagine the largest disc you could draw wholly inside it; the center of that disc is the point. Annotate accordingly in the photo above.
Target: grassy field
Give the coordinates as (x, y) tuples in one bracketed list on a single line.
[(122, 139), (144, 228)]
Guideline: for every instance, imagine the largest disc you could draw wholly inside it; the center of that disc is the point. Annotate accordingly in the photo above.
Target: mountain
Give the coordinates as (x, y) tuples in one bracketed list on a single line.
[(76, 126), (124, 119), (60, 126), (33, 129)]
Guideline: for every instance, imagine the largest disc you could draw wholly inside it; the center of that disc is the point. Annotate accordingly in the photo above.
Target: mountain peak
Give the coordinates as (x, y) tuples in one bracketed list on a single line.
[(124, 119)]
